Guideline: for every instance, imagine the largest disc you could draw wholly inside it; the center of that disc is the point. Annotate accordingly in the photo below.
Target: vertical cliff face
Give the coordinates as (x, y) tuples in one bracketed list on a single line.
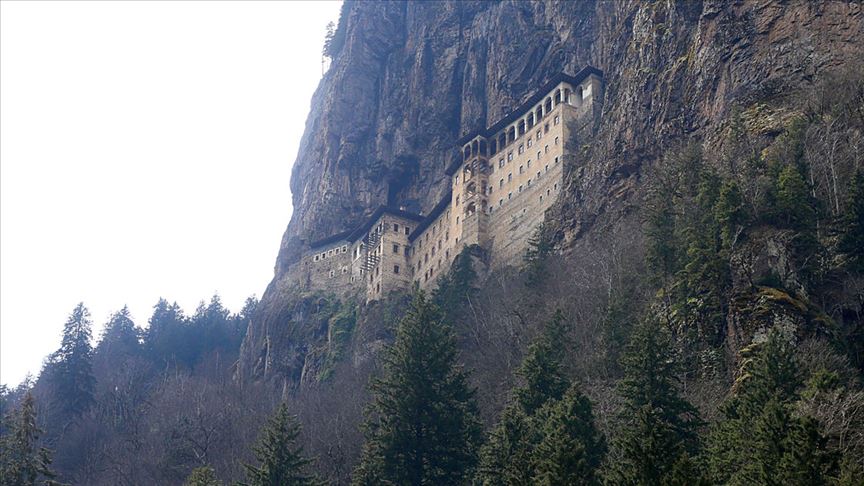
[(410, 78)]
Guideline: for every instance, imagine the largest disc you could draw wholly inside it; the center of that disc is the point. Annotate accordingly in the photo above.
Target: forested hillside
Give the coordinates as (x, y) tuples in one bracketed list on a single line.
[(691, 312)]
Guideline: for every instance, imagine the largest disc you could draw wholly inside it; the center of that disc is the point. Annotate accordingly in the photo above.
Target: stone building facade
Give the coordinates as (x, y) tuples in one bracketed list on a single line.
[(506, 177)]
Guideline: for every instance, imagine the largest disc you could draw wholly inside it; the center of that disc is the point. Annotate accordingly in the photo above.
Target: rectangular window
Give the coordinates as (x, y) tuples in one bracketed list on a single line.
[(509, 177), (521, 169), (546, 150), (509, 195), (546, 128), (509, 156), (396, 269), (556, 160), (530, 143), (538, 154), (520, 187), (407, 231), (521, 148), (557, 118), (395, 248), (395, 228), (529, 164), (500, 163), (538, 174), (500, 202), (457, 219), (316, 258), (406, 251), (501, 183), (538, 134), (556, 140)]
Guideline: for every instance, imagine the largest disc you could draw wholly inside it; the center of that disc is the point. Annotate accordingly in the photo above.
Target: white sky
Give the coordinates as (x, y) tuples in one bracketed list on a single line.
[(145, 151)]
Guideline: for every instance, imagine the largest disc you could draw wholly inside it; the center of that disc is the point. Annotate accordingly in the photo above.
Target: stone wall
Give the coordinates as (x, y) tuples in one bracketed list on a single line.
[(433, 249)]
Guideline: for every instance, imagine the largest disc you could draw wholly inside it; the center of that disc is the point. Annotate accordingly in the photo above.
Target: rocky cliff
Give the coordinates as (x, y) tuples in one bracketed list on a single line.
[(407, 79)]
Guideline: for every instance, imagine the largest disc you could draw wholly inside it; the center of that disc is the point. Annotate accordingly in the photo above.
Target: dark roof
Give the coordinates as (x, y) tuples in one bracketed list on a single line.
[(436, 211), (536, 97), (330, 239), (361, 230)]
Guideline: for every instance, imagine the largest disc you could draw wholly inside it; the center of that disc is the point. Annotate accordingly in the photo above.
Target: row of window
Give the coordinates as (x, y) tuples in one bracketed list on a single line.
[(528, 184), (331, 252), (501, 161)]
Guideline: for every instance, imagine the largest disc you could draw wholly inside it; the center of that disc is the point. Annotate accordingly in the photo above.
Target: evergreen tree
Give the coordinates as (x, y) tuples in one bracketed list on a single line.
[(22, 461), (281, 460), (167, 341), (202, 476), (658, 427), (760, 440), (120, 336), (543, 369), (572, 448), (422, 425), (71, 366), (507, 457), (457, 285), (852, 225), (540, 247)]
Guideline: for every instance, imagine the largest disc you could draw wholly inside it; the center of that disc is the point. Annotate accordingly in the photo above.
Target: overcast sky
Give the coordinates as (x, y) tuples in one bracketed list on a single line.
[(145, 151)]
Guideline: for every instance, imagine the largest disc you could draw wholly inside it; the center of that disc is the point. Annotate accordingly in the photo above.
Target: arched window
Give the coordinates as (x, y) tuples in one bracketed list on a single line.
[(539, 113), (482, 147), (502, 141), (493, 147), (530, 120), (474, 148), (557, 97), (581, 93), (467, 153), (567, 95), (548, 105), (521, 126), (511, 134)]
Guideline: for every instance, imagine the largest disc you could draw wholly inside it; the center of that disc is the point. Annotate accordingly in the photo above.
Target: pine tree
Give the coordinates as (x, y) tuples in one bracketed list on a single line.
[(120, 336), (658, 427), (22, 462), (203, 476), (422, 425), (280, 460), (543, 369), (760, 440), (71, 366), (572, 448), (852, 225), (507, 458), (540, 247)]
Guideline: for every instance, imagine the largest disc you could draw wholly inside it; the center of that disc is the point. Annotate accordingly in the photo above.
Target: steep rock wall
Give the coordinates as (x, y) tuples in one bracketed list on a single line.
[(412, 77)]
